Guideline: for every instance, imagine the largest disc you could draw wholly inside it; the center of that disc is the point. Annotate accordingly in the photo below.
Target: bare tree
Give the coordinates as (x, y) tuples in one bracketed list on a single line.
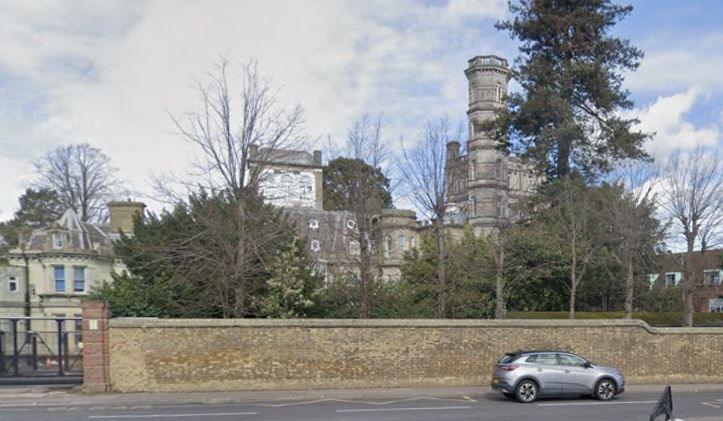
[(626, 208), (82, 176), (365, 152), (233, 129), (572, 222), (423, 170), (237, 134), (692, 199)]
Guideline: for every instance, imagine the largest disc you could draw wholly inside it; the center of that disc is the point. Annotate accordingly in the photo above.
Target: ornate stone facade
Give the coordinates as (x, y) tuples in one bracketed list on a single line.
[(486, 182)]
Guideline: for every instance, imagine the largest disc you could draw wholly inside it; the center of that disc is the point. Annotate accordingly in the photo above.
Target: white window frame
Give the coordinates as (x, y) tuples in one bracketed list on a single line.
[(85, 281), (13, 280), (315, 246), (58, 240), (388, 245), (402, 242), (313, 223), (676, 278), (712, 271), (351, 224), (715, 305)]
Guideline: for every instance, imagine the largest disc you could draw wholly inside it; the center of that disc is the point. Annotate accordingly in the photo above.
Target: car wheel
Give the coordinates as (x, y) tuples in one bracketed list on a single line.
[(526, 391), (605, 390)]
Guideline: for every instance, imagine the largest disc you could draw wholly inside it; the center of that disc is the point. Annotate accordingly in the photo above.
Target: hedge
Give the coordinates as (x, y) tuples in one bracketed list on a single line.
[(667, 319)]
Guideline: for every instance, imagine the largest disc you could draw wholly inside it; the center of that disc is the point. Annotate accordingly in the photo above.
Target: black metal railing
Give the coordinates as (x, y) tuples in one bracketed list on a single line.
[(40, 347)]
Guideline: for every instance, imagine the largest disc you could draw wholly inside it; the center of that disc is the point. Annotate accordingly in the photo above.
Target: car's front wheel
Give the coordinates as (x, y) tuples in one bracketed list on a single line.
[(605, 390), (526, 391)]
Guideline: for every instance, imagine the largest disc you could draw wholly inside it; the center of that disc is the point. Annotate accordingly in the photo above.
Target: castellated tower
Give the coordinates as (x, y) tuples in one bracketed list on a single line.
[(487, 170)]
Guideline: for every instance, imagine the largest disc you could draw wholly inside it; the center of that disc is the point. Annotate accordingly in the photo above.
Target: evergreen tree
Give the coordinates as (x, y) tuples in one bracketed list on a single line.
[(184, 262), (38, 208), (345, 176), (567, 115), (293, 289)]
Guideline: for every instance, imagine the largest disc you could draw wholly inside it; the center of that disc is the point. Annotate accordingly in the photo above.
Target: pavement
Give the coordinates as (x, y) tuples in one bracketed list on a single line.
[(62, 403)]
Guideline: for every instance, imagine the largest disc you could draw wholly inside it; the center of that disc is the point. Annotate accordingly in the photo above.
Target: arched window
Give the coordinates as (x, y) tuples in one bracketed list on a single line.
[(313, 224), (389, 246), (402, 243), (315, 246), (305, 187)]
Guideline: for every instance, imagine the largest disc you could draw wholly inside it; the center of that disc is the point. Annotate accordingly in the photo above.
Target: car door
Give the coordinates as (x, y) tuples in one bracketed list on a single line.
[(577, 377), (545, 368)]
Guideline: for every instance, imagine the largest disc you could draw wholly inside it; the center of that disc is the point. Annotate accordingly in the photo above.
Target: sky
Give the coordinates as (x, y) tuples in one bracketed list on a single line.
[(111, 72)]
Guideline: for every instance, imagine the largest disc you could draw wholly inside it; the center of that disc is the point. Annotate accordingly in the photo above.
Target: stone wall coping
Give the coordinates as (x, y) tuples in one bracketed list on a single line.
[(151, 322)]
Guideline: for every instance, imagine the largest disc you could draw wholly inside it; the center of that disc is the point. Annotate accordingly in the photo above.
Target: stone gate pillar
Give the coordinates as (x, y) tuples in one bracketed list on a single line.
[(96, 376)]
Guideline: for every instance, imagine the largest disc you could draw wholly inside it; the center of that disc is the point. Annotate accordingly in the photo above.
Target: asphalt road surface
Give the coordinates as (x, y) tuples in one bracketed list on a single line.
[(691, 406)]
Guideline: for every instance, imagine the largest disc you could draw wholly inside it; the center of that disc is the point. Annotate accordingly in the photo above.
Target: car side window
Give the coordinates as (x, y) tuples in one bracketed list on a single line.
[(571, 360), (546, 359)]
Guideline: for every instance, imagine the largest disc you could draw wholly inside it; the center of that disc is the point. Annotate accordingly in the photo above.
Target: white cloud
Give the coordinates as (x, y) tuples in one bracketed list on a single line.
[(107, 72), (667, 118), (676, 65)]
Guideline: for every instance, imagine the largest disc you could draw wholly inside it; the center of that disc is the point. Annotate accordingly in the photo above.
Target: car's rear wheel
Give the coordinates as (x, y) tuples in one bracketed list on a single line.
[(526, 391), (605, 390)]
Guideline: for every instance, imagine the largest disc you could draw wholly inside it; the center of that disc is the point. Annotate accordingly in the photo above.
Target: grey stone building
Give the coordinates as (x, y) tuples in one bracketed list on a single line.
[(485, 182)]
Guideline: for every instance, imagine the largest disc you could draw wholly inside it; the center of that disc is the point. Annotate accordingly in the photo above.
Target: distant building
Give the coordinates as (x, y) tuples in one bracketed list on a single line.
[(482, 186), (289, 178), (53, 267), (708, 294), (486, 182), (292, 180)]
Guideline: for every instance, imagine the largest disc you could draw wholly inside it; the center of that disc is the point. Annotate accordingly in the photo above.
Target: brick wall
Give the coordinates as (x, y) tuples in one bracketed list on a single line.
[(205, 355), (95, 346)]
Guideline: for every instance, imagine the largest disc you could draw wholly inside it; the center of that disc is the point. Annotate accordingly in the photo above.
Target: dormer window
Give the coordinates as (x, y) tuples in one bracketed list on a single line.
[(315, 246), (313, 224), (58, 240)]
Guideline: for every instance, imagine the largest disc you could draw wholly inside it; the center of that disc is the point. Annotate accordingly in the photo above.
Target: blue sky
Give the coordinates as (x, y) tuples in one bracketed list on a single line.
[(108, 72)]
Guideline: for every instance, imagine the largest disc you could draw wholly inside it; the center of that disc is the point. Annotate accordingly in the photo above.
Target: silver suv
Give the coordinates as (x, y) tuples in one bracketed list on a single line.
[(527, 375)]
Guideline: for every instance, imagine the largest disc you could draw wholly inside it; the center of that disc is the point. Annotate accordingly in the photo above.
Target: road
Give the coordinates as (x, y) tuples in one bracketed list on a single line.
[(691, 406)]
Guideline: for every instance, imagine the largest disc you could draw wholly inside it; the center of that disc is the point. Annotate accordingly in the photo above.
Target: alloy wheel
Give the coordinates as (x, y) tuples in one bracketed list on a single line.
[(605, 390), (528, 392)]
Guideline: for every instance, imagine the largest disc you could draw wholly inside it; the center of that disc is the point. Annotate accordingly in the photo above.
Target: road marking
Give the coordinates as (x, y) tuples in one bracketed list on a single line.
[(428, 408), (156, 416), (717, 404), (593, 403)]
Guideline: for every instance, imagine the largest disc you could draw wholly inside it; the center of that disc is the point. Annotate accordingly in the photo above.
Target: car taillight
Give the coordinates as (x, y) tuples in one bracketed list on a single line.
[(509, 367)]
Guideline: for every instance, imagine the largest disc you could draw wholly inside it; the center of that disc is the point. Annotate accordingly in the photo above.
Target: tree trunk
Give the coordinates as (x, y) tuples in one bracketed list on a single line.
[(500, 307), (441, 269), (573, 279), (689, 282), (688, 309), (629, 289)]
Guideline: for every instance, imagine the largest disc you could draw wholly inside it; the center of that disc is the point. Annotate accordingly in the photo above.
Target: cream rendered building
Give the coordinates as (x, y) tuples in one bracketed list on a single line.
[(54, 267)]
